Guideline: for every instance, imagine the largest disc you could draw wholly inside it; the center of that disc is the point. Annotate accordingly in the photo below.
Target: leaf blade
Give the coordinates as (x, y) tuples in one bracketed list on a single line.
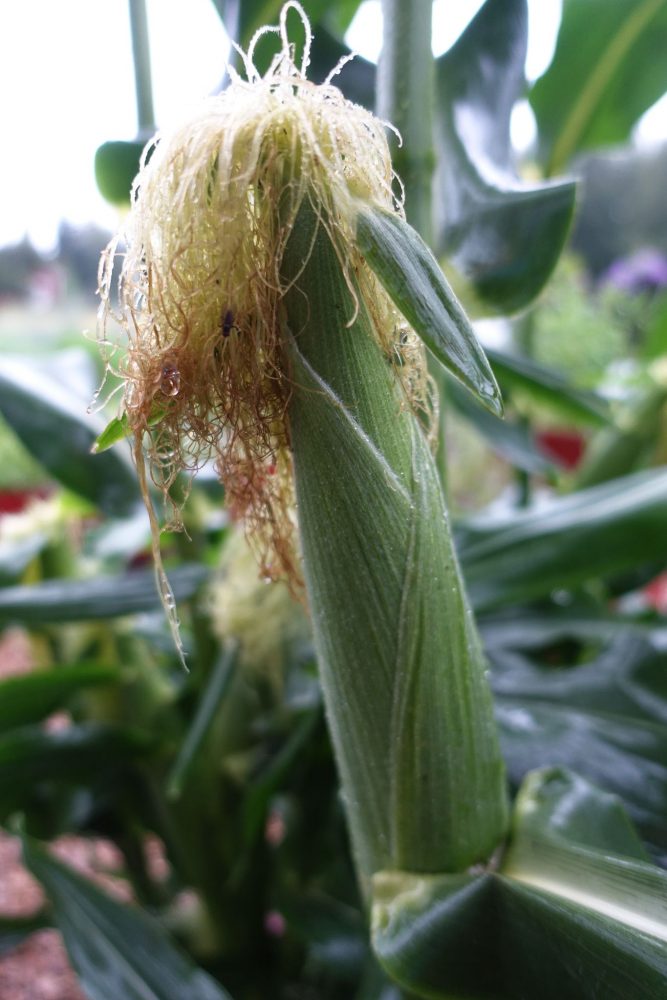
[(414, 281), (117, 950), (55, 430), (502, 235)]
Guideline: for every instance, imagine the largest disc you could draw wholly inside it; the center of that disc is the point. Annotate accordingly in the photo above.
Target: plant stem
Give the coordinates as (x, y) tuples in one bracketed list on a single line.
[(405, 94), (143, 87)]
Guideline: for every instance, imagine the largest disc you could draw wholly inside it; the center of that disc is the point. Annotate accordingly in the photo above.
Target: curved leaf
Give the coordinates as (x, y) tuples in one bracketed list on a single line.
[(116, 950), (574, 911), (81, 754), (56, 601), (502, 234), (608, 68), (414, 281), (212, 697), (605, 719), (31, 697), (56, 430), (594, 533), (548, 388)]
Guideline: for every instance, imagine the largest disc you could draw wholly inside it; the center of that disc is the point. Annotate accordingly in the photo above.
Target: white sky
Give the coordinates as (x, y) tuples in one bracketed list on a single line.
[(67, 85)]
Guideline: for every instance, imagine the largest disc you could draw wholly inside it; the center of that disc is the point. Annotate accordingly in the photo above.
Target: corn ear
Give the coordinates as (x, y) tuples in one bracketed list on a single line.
[(401, 665)]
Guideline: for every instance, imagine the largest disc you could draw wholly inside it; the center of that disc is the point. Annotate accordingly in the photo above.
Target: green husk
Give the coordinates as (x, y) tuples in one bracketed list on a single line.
[(401, 664)]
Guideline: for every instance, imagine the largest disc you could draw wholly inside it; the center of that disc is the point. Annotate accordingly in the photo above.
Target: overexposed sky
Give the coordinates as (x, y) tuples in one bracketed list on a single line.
[(67, 85)]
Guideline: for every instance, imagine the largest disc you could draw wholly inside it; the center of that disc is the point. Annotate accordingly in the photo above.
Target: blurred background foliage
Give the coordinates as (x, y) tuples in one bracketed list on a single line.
[(561, 515)]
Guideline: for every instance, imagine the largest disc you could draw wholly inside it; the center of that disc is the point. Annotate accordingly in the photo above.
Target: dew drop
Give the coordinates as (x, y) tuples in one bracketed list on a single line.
[(170, 381)]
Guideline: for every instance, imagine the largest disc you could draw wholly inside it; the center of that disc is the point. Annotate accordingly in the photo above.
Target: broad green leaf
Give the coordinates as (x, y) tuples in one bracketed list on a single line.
[(501, 234), (31, 697), (627, 678), (429, 933), (536, 628), (214, 693), (395, 641), (55, 429), (584, 890), (605, 718), (510, 439), (573, 911), (414, 281), (118, 951), (595, 533), (56, 601), (116, 166), (607, 70), (547, 388), (82, 754)]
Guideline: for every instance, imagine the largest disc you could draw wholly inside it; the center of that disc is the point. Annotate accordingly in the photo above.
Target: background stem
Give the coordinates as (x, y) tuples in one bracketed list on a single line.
[(143, 86), (405, 93)]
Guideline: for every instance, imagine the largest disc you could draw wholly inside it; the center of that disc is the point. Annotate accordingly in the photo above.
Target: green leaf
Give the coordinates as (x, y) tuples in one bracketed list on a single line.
[(605, 718), (55, 429), (119, 428), (116, 166), (56, 601), (574, 910), (579, 887), (214, 694), (116, 430), (521, 376), (607, 70), (82, 754), (31, 697), (268, 781), (534, 629), (512, 440), (414, 281), (333, 932), (116, 950), (429, 932), (501, 234), (595, 533)]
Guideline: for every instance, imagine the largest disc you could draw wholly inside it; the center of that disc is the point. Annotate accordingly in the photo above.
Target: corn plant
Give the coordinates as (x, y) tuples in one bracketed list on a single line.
[(279, 310)]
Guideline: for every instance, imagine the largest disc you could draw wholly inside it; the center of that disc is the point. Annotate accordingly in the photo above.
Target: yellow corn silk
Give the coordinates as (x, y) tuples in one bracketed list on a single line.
[(201, 292)]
